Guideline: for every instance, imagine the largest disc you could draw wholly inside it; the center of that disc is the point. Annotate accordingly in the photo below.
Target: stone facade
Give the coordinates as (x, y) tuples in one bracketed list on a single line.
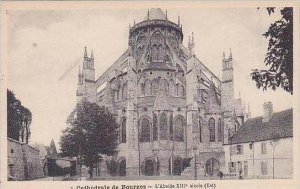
[(174, 113), (24, 162), (263, 146)]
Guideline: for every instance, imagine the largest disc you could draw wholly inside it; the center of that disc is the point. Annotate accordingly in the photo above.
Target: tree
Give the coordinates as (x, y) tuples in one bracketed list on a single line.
[(91, 133), (18, 119), (279, 56)]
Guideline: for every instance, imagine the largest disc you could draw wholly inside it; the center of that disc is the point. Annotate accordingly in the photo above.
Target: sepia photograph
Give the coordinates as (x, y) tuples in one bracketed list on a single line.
[(149, 91)]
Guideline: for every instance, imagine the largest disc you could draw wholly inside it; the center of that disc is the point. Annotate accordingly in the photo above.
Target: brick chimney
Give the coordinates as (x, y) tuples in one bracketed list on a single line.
[(268, 111)]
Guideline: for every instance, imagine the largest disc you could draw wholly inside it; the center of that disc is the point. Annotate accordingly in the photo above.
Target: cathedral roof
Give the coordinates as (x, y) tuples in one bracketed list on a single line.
[(156, 14), (280, 125)]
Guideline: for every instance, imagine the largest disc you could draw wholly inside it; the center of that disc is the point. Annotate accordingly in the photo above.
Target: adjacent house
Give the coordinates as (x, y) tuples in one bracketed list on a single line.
[(263, 146)]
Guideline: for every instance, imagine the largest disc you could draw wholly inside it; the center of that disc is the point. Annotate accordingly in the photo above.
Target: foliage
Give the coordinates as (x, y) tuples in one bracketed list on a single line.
[(91, 133), (279, 56), (18, 119)]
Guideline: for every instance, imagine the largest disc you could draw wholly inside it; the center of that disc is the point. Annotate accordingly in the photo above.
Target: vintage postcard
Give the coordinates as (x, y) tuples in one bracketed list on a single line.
[(149, 95)]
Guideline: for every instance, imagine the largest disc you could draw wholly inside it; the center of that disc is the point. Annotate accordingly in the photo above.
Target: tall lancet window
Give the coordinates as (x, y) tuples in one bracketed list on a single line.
[(145, 130), (179, 130), (147, 87), (154, 86), (171, 127), (200, 131), (163, 125), (165, 85), (141, 43), (123, 131), (124, 91), (157, 47), (180, 90), (155, 130), (220, 138), (212, 130)]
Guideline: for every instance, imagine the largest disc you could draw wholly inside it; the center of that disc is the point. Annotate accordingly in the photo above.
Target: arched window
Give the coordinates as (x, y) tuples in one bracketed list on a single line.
[(236, 127), (149, 167), (122, 168), (155, 133), (142, 89), (116, 95), (180, 90), (163, 125), (168, 59), (140, 46), (145, 130), (112, 167), (220, 138), (173, 42), (154, 86), (165, 85), (124, 91), (171, 127), (179, 130), (157, 41), (176, 166), (123, 131), (161, 54), (147, 88), (212, 167), (171, 88), (200, 131), (211, 127)]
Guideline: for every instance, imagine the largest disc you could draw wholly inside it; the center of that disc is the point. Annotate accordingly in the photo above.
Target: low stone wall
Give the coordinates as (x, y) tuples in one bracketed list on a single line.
[(24, 162)]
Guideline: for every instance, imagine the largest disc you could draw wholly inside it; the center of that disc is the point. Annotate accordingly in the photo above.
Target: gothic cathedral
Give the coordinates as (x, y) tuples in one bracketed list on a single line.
[(174, 113)]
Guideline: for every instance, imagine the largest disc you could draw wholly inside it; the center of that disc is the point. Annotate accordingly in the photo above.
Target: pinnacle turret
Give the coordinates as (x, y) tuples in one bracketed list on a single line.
[(230, 54), (92, 55), (85, 53)]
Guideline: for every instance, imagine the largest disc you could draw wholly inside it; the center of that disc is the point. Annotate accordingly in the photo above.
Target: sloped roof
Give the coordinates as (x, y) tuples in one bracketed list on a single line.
[(156, 14), (280, 125)]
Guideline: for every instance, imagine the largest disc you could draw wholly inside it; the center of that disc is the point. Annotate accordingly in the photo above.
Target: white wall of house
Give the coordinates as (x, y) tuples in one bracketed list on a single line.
[(258, 164)]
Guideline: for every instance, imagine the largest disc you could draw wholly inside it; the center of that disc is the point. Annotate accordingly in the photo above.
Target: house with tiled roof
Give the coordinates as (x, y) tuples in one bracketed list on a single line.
[(263, 146)]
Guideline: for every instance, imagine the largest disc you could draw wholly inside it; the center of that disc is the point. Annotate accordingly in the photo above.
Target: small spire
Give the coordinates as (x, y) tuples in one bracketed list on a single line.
[(79, 71), (178, 20), (230, 54), (239, 94), (52, 143), (148, 15), (129, 26), (85, 53), (192, 38), (189, 44), (166, 14), (92, 55), (223, 55)]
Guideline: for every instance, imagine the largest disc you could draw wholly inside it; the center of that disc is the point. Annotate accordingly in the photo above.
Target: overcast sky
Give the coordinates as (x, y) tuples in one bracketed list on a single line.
[(46, 48)]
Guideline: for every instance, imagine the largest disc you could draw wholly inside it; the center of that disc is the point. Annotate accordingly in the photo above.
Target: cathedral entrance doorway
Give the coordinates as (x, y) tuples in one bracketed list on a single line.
[(149, 167), (122, 168), (212, 167), (177, 166)]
